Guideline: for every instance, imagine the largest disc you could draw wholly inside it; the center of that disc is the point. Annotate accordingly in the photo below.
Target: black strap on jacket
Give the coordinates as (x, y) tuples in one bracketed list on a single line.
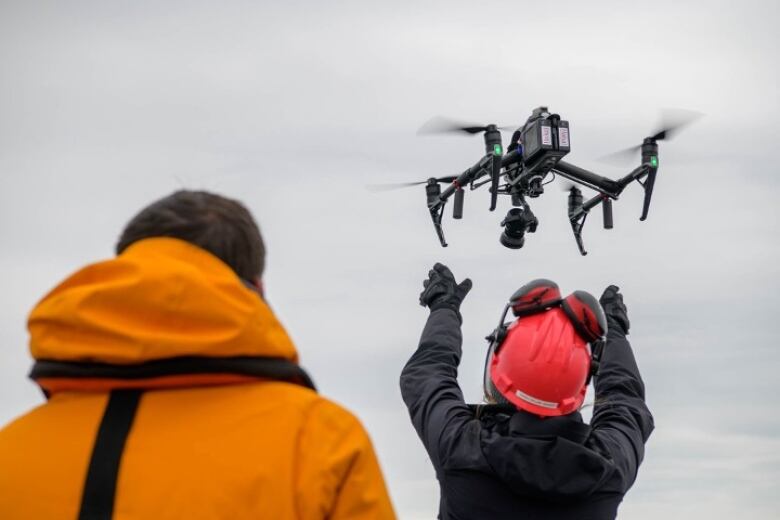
[(268, 367), (97, 502)]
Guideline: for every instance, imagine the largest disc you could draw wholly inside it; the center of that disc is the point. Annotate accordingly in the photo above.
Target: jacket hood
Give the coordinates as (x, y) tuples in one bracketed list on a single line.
[(162, 299), (544, 457)]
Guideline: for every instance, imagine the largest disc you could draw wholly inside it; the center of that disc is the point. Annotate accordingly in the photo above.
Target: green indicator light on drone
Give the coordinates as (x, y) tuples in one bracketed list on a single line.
[(654, 161), (497, 149)]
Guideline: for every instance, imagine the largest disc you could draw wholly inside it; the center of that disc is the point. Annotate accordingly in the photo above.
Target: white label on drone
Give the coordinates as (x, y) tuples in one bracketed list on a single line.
[(547, 136), (563, 136)]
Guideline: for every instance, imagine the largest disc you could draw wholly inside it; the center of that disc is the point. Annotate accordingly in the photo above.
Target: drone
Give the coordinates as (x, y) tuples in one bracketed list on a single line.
[(532, 160)]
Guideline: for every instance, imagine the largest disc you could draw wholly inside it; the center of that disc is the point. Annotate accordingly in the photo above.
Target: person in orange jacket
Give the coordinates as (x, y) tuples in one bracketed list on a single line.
[(174, 392)]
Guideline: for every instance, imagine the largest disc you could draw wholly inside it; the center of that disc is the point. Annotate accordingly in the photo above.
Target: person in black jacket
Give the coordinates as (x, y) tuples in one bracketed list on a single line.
[(500, 461)]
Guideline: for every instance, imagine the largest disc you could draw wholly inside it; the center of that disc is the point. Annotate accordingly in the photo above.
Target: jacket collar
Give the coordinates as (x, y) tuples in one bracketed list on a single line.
[(569, 426)]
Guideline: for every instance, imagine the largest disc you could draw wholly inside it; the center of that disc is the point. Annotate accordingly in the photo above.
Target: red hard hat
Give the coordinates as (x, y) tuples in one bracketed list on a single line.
[(542, 364)]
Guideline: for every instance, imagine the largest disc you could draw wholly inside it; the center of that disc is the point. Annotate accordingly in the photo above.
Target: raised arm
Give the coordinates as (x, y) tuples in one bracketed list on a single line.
[(621, 419), (429, 383)]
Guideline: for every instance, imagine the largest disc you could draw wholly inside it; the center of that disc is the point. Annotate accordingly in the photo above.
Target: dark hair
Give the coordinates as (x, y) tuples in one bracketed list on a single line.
[(221, 226)]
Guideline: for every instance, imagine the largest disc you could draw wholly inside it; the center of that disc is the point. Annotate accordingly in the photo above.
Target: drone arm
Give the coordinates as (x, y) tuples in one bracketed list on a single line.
[(593, 202), (510, 158), (590, 179), (639, 172), (466, 177)]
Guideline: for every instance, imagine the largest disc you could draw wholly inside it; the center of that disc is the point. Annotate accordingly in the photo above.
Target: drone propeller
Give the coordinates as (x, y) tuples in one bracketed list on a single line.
[(399, 185), (566, 185), (443, 125), (672, 121)]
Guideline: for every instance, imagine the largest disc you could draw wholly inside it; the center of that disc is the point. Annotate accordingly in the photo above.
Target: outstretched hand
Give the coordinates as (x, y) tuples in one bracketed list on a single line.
[(615, 310), (442, 291)]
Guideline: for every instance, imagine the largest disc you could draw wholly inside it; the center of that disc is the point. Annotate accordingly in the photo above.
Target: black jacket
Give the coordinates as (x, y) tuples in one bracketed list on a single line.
[(495, 462)]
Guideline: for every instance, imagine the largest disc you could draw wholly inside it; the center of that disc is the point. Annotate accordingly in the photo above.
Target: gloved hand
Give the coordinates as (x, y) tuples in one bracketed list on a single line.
[(615, 310), (442, 291)]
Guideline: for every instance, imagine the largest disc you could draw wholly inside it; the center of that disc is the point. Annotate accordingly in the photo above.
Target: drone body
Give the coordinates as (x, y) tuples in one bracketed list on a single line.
[(534, 154)]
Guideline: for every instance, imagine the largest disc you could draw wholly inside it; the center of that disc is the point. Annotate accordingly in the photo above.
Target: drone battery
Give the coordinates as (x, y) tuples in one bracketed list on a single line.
[(537, 137), (564, 144)]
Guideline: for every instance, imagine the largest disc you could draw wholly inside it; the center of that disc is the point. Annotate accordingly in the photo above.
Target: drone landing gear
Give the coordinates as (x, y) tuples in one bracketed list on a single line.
[(577, 216), (437, 198), (436, 207), (578, 212), (576, 227), (436, 215), (437, 210)]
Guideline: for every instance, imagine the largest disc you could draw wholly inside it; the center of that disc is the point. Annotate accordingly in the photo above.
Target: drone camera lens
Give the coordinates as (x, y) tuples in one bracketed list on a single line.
[(516, 223), (511, 242)]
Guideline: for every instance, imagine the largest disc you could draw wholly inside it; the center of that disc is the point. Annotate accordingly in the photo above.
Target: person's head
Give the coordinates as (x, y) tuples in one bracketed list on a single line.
[(543, 361), (221, 226)]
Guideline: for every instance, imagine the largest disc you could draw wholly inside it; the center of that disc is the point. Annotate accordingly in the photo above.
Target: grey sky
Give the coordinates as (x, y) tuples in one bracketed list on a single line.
[(293, 107)]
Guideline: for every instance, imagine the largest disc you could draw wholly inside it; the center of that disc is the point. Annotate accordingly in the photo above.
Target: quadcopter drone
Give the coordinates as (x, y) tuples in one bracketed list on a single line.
[(521, 172)]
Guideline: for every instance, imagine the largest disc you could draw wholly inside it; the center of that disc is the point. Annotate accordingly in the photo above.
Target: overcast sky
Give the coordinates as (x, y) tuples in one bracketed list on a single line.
[(293, 107)]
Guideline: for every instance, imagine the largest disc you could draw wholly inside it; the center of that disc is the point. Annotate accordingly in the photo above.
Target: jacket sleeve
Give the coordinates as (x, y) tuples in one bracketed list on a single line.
[(338, 475), (429, 386), (621, 420)]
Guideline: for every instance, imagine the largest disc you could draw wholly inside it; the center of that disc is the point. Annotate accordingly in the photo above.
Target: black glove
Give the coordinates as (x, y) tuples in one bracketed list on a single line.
[(615, 310), (442, 291)]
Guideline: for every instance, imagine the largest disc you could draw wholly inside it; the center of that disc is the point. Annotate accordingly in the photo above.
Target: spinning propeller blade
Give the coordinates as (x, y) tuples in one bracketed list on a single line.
[(621, 157), (399, 185), (443, 125), (566, 185), (672, 121)]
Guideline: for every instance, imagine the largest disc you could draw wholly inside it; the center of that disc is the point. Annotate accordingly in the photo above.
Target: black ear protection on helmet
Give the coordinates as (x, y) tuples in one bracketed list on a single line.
[(534, 297), (583, 310), (588, 318)]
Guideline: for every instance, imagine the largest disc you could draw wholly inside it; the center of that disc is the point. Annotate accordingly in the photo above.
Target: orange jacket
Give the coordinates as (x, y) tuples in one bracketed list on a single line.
[(226, 425)]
